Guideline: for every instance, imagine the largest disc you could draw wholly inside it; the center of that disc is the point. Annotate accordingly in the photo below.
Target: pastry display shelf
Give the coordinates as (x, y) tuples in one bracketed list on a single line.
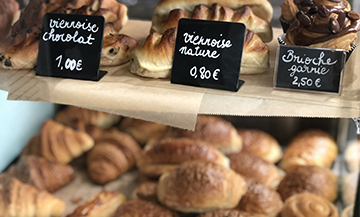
[(158, 100)]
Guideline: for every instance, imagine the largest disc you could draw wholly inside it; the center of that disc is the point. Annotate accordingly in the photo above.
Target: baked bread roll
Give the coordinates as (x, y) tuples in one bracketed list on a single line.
[(308, 205), (261, 8), (352, 155), (200, 186), (289, 8), (168, 154), (42, 173), (18, 199), (103, 204), (261, 144), (349, 187), (225, 213), (325, 28), (154, 59), (311, 147), (252, 167), (142, 131), (113, 155), (141, 208), (312, 179), (71, 114), (213, 130), (146, 191), (348, 211), (217, 12), (58, 143), (8, 12), (260, 201)]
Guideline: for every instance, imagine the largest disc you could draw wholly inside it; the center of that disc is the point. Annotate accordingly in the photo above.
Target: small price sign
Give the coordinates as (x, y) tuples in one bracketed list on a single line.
[(309, 69), (208, 54), (70, 46)]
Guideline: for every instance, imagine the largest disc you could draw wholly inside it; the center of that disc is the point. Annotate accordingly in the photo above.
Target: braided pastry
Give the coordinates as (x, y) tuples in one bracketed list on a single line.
[(59, 143), (72, 114), (308, 205), (18, 199), (220, 13), (103, 204), (168, 154), (113, 155), (42, 173)]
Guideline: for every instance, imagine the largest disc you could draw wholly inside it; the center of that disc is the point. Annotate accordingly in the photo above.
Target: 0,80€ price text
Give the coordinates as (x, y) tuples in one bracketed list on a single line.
[(204, 74)]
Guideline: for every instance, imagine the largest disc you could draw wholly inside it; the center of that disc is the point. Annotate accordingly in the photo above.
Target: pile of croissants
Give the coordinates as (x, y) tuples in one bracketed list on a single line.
[(214, 171)]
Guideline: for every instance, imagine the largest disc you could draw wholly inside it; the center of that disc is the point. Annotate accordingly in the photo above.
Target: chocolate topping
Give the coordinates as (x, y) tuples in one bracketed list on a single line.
[(334, 25), (305, 3), (353, 15), (313, 10), (303, 19), (323, 11)]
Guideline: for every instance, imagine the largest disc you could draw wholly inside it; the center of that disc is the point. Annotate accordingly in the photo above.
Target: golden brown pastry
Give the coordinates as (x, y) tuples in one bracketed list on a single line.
[(103, 204), (141, 208), (200, 186), (260, 201), (113, 155), (252, 167), (8, 11), (72, 114), (59, 143), (289, 8), (155, 58), (325, 28), (261, 8), (311, 147), (93, 131), (168, 154), (261, 144), (225, 213), (42, 173), (312, 179), (349, 187), (214, 130), (308, 205), (348, 211), (18, 199), (352, 155), (146, 191), (142, 131), (217, 12)]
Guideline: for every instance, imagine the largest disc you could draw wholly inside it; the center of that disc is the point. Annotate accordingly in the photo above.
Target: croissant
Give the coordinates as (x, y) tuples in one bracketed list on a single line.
[(42, 173), (113, 155), (220, 13), (59, 143), (103, 204), (154, 59), (18, 199), (71, 114)]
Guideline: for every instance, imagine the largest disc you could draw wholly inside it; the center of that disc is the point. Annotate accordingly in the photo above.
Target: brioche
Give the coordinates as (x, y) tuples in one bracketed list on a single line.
[(18, 199), (58, 143), (312, 179), (8, 12), (103, 204), (200, 186), (42, 173), (225, 213), (167, 154), (308, 205), (252, 167), (311, 147), (141, 208), (213, 130), (261, 8), (217, 12), (261, 144), (352, 155)]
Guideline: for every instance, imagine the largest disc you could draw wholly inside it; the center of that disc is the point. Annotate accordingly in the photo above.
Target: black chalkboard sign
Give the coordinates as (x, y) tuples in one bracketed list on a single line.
[(70, 46), (208, 54), (309, 69)]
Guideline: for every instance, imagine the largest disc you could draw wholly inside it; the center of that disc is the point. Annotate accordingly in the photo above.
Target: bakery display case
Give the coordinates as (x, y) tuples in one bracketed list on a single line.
[(259, 151)]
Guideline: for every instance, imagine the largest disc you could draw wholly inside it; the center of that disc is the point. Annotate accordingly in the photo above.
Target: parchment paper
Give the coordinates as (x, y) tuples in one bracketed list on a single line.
[(158, 100)]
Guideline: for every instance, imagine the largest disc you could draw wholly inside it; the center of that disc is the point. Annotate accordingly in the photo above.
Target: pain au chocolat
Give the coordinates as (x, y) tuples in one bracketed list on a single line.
[(324, 27)]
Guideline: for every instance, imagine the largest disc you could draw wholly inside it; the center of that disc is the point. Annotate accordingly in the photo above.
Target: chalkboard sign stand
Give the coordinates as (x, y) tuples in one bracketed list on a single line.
[(208, 54), (70, 46)]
